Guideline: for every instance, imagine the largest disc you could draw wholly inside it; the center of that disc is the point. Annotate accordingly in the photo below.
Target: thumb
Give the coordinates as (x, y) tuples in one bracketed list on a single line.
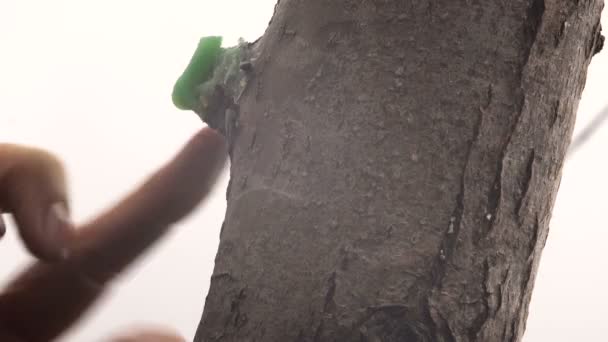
[(33, 189)]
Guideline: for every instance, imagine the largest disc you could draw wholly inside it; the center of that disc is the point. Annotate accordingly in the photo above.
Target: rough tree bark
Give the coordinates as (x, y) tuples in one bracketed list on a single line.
[(395, 169)]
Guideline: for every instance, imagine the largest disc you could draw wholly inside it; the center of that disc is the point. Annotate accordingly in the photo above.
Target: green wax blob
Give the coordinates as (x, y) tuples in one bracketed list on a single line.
[(199, 70)]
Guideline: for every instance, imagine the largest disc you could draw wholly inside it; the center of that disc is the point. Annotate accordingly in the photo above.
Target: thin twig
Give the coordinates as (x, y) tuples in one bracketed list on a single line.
[(583, 137)]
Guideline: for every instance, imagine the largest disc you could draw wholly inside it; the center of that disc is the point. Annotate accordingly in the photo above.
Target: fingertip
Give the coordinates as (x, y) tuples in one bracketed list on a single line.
[(201, 157), (149, 335), (209, 141), (114, 239), (188, 177)]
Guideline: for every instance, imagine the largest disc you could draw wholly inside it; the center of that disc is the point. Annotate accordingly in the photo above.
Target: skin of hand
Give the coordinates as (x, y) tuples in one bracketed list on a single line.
[(74, 265)]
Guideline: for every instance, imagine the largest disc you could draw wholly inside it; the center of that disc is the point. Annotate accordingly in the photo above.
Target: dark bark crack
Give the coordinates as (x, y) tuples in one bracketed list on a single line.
[(318, 332), (454, 225), (442, 327), (502, 288), (391, 322), (535, 236), (495, 195), (236, 319), (331, 291), (487, 288), (477, 324), (526, 181), (596, 42), (555, 111), (533, 22)]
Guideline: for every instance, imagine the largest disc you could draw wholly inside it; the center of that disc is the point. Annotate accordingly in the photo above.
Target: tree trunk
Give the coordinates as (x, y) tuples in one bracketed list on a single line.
[(395, 169)]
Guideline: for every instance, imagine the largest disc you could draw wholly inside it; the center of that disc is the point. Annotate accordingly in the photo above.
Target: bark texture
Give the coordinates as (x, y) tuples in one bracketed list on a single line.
[(395, 169)]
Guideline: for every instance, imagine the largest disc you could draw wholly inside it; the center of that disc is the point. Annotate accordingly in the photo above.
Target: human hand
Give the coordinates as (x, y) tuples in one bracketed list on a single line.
[(74, 264)]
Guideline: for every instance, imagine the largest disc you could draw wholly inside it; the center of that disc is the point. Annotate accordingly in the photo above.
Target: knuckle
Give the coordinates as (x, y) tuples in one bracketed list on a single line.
[(23, 161)]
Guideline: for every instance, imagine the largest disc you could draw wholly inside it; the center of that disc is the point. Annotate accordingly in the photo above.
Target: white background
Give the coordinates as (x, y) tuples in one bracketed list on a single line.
[(91, 82)]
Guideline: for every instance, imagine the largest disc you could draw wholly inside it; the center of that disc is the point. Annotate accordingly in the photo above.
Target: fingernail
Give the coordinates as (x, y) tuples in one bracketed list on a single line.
[(58, 226)]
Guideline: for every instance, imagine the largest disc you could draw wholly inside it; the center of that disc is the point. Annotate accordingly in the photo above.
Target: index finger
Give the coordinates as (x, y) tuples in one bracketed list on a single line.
[(111, 241), (48, 298)]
